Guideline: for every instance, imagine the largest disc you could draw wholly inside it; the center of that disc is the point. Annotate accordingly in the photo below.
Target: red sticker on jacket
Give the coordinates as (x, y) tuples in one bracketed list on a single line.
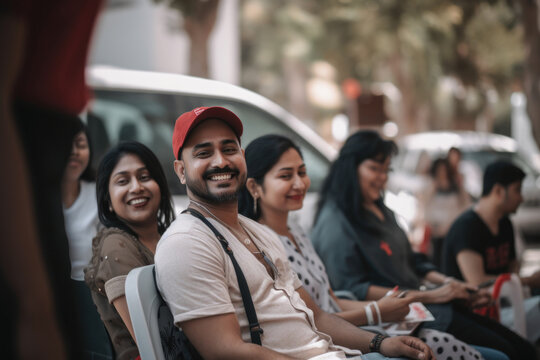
[(386, 248)]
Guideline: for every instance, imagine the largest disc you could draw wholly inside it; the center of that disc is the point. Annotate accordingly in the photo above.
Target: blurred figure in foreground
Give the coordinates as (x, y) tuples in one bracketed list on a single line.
[(42, 90), (480, 244)]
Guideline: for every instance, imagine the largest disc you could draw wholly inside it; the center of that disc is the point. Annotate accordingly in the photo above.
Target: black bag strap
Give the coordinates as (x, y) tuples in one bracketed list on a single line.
[(254, 327)]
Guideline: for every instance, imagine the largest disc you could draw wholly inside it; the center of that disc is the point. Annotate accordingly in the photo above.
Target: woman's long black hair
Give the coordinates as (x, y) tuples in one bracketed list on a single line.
[(261, 155), (109, 218), (342, 184)]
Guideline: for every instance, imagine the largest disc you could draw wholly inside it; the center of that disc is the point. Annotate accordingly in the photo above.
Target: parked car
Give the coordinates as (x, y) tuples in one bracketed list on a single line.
[(143, 106), (410, 168)]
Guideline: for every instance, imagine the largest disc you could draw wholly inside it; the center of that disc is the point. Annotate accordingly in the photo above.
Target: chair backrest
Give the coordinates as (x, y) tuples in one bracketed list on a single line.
[(143, 301), (509, 286)]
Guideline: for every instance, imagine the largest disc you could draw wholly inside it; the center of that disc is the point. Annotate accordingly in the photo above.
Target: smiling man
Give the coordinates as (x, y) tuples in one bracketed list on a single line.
[(197, 279)]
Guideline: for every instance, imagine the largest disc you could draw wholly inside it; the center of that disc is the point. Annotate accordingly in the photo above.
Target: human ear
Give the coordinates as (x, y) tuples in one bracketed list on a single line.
[(253, 188), (180, 170)]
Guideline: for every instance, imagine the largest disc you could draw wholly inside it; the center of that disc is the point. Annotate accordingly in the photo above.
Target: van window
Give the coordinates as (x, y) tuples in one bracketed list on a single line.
[(149, 117)]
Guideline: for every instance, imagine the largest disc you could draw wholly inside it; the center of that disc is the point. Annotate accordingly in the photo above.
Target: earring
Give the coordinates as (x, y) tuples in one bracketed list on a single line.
[(255, 206), (111, 209)]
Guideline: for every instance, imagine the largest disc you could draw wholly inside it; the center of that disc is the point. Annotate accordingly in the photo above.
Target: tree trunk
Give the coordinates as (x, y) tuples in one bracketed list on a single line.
[(531, 77), (296, 80), (405, 84), (199, 25)]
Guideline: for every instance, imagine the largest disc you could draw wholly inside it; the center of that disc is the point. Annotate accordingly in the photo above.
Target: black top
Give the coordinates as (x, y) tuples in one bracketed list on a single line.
[(469, 231)]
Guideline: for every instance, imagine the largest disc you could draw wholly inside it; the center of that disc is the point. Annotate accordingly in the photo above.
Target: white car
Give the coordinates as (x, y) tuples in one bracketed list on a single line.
[(143, 106), (478, 149)]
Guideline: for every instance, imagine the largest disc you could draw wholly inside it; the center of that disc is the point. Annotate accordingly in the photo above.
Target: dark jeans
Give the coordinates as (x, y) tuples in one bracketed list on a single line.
[(47, 138), (480, 330)]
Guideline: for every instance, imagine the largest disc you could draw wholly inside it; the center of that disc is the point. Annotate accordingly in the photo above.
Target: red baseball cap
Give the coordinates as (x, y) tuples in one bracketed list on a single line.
[(188, 120)]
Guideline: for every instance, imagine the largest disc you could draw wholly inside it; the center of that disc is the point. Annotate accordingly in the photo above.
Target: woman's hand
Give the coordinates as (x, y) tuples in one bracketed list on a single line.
[(393, 308), (450, 291), (406, 346), (481, 298)]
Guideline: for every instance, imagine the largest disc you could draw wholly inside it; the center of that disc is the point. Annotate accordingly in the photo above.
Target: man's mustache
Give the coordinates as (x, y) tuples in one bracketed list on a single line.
[(225, 170)]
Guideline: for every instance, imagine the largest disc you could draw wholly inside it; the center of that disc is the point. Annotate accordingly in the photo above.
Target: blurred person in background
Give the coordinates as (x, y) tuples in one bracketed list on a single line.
[(42, 90), (464, 174), (81, 220), (135, 208), (277, 183), (441, 203), (454, 161), (481, 245), (365, 250)]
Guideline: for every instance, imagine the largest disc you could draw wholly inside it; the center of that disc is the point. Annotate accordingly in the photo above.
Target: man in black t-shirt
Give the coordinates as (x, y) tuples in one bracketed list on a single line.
[(473, 253), (480, 244)]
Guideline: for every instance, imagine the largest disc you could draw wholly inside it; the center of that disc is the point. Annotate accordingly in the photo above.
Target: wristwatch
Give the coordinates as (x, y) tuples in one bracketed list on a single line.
[(375, 343)]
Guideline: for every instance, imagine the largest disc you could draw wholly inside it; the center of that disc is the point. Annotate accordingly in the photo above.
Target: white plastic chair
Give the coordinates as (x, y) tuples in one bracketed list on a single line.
[(511, 289), (143, 302)]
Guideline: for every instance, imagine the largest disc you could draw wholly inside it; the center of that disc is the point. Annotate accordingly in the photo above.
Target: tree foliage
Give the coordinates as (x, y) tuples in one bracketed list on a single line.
[(453, 61)]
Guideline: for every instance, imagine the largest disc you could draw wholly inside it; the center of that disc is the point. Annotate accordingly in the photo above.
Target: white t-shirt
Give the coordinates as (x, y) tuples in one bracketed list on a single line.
[(197, 279), (81, 222)]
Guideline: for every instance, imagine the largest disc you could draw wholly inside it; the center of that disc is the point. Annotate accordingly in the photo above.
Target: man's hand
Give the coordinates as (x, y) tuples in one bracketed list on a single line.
[(393, 308), (406, 346)]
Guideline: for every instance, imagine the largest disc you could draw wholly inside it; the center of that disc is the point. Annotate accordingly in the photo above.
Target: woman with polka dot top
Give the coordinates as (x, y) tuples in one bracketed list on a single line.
[(134, 205), (277, 183)]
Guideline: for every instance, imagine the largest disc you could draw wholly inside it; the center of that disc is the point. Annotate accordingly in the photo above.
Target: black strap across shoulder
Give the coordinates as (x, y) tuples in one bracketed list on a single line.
[(254, 327)]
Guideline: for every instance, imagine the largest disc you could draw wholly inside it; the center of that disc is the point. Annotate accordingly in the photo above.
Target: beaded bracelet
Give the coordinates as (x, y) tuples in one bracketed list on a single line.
[(375, 343)]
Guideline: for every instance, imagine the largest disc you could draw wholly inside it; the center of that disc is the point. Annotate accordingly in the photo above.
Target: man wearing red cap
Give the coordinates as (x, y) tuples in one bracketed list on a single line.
[(197, 279)]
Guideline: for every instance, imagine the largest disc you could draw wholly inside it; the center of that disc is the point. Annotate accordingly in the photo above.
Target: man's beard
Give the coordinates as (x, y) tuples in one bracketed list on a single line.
[(200, 189)]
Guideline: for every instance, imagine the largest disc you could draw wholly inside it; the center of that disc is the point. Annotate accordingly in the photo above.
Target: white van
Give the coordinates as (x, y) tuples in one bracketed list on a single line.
[(143, 106)]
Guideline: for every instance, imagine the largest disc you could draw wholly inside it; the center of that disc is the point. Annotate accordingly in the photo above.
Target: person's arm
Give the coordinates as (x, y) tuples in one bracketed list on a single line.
[(219, 337), (121, 306), (118, 256), (346, 334), (471, 266), (392, 309)]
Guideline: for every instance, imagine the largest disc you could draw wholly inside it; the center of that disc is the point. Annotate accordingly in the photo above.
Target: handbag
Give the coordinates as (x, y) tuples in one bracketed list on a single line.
[(175, 344)]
